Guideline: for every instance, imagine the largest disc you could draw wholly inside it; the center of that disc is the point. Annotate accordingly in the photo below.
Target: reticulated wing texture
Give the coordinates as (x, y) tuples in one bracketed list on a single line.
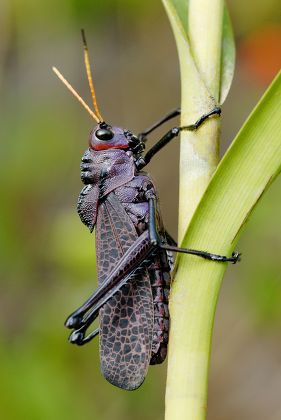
[(126, 320)]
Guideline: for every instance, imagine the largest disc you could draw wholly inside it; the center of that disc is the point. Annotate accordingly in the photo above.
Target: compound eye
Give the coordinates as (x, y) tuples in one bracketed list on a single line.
[(104, 134)]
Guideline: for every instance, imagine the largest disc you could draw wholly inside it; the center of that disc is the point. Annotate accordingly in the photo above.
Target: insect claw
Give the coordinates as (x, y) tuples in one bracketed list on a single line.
[(73, 322), (235, 257), (76, 337)]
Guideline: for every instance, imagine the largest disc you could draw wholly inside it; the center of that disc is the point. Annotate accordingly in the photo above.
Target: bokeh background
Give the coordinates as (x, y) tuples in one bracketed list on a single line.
[(47, 255)]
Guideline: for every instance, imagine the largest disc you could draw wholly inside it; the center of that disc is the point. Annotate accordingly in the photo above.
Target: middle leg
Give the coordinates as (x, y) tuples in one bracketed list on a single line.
[(155, 239)]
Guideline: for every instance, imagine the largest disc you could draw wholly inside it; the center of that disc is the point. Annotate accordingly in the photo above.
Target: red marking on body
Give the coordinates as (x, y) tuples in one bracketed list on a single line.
[(108, 146)]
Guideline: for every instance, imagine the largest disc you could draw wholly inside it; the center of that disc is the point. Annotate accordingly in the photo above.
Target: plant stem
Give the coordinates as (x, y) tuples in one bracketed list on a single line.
[(244, 174), (199, 151), (200, 57), (205, 36), (227, 202)]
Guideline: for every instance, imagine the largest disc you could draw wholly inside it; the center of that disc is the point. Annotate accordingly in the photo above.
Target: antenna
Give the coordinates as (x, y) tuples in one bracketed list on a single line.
[(73, 91), (89, 75)]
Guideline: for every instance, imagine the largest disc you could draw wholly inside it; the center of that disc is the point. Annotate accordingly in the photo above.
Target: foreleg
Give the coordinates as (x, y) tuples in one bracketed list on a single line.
[(170, 135), (174, 113)]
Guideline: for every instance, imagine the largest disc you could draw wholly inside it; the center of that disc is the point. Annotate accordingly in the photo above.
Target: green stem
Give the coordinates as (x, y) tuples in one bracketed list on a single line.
[(200, 58), (200, 80), (242, 176)]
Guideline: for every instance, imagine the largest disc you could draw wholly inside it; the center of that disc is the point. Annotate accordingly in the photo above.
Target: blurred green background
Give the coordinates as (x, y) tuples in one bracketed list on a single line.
[(47, 255)]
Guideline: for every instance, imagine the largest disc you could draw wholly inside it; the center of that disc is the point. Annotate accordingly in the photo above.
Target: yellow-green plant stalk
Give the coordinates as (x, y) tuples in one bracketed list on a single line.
[(198, 28), (206, 60)]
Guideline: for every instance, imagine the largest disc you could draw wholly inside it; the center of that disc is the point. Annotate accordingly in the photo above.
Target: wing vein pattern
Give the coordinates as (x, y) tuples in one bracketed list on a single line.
[(126, 320)]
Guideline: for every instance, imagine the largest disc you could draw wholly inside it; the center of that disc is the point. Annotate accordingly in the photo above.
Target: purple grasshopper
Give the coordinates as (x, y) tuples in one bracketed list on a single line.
[(134, 252)]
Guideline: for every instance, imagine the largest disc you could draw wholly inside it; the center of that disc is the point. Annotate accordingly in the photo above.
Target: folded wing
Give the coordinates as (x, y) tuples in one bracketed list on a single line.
[(126, 321)]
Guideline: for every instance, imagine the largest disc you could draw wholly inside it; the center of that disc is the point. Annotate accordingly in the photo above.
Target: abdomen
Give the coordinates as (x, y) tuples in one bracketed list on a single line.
[(132, 197)]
